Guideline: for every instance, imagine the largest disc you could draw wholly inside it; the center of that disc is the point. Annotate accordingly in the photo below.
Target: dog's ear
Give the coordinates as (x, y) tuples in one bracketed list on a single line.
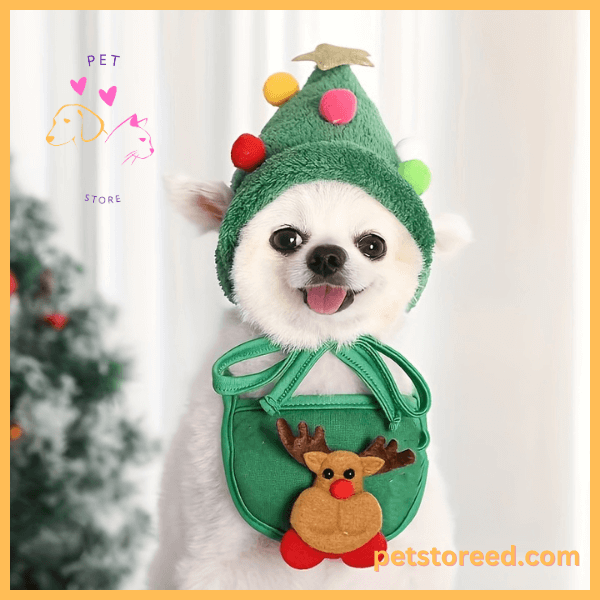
[(92, 125), (452, 234), (204, 203)]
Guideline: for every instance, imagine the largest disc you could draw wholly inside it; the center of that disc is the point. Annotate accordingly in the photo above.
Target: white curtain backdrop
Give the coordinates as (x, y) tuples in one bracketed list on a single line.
[(500, 103)]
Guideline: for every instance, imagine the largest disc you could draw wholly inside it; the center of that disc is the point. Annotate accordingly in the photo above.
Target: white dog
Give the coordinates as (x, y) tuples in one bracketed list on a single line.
[(312, 235)]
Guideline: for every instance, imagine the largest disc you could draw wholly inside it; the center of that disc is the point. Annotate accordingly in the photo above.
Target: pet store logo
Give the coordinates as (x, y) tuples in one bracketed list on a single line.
[(71, 120)]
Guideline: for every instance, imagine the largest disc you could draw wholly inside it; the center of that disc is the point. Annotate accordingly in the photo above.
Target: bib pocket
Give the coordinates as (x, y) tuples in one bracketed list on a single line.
[(264, 481)]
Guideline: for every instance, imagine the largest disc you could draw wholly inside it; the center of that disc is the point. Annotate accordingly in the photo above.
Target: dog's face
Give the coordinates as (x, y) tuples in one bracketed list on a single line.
[(73, 123), (325, 261)]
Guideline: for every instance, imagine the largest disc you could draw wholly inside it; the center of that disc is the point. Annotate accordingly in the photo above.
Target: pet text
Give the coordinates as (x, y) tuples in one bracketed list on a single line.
[(91, 58)]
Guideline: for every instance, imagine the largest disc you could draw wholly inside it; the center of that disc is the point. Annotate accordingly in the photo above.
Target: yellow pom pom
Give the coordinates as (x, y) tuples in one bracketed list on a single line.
[(279, 88)]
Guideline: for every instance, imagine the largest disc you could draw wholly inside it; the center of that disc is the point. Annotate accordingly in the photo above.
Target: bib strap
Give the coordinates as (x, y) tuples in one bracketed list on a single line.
[(225, 383), (291, 378), (363, 357), (422, 394), (361, 362)]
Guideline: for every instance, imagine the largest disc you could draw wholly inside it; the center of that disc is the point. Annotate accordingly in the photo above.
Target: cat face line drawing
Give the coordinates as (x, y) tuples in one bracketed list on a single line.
[(135, 137)]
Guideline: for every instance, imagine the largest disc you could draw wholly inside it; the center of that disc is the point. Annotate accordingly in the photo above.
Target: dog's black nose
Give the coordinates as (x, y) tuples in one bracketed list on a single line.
[(326, 260)]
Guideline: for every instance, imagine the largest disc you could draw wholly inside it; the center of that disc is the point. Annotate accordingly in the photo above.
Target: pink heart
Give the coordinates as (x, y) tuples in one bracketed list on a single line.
[(108, 97), (79, 86)]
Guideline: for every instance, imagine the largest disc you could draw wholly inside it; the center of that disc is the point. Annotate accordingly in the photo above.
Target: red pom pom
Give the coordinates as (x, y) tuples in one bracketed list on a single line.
[(248, 152), (56, 320), (364, 557), (297, 553), (14, 284)]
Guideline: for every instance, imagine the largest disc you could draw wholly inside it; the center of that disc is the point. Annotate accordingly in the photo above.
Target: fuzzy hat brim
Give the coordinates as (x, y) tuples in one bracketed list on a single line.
[(332, 161)]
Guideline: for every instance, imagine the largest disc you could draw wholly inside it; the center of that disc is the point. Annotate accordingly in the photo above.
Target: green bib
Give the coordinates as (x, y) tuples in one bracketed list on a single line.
[(264, 481)]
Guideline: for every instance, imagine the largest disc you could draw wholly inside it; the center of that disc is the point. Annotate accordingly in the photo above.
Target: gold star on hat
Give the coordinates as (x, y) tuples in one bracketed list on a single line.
[(327, 57)]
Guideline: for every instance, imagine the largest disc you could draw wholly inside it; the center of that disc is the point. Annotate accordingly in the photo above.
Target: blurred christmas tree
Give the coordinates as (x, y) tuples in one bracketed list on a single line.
[(74, 523)]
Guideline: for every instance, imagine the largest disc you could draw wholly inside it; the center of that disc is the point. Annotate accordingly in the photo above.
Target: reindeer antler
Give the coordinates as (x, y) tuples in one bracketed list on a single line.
[(298, 446), (393, 459)]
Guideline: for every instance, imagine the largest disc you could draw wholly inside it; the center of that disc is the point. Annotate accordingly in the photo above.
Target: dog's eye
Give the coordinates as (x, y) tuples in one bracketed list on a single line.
[(67, 120), (327, 473), (349, 473), (372, 246), (286, 240), (142, 139)]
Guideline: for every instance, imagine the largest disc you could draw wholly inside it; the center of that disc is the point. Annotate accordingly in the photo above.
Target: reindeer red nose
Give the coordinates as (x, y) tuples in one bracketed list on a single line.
[(341, 489)]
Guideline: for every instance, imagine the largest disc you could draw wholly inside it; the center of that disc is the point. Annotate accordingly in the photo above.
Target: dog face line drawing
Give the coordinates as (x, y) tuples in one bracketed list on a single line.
[(65, 122)]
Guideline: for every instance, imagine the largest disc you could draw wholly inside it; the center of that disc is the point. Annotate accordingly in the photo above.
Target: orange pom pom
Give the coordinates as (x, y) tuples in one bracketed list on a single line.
[(279, 88)]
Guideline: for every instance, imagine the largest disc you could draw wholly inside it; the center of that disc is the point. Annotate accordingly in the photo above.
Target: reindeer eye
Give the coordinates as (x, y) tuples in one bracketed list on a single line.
[(142, 139), (349, 473), (327, 473), (67, 120), (372, 246)]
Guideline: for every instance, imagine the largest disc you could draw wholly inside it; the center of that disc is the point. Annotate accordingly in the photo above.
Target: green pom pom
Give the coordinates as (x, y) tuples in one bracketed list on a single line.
[(417, 173)]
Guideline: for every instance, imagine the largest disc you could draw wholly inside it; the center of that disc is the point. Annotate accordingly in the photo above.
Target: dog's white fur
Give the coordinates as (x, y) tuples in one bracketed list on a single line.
[(267, 283), (204, 542)]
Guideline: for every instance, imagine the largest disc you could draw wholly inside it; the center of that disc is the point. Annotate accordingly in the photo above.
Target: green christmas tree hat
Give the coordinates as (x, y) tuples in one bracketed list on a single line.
[(329, 130)]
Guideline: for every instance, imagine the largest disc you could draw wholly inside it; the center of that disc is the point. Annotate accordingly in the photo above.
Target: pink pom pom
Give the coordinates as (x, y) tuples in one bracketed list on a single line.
[(338, 106)]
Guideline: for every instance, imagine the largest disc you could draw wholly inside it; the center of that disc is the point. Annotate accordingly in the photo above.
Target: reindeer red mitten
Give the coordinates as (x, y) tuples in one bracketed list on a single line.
[(336, 518)]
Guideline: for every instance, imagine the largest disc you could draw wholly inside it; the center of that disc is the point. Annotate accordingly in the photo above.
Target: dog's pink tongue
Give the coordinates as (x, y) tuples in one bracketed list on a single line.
[(325, 299)]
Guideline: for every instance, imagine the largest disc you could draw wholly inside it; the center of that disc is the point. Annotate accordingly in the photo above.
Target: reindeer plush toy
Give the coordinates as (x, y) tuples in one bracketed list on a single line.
[(336, 517)]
